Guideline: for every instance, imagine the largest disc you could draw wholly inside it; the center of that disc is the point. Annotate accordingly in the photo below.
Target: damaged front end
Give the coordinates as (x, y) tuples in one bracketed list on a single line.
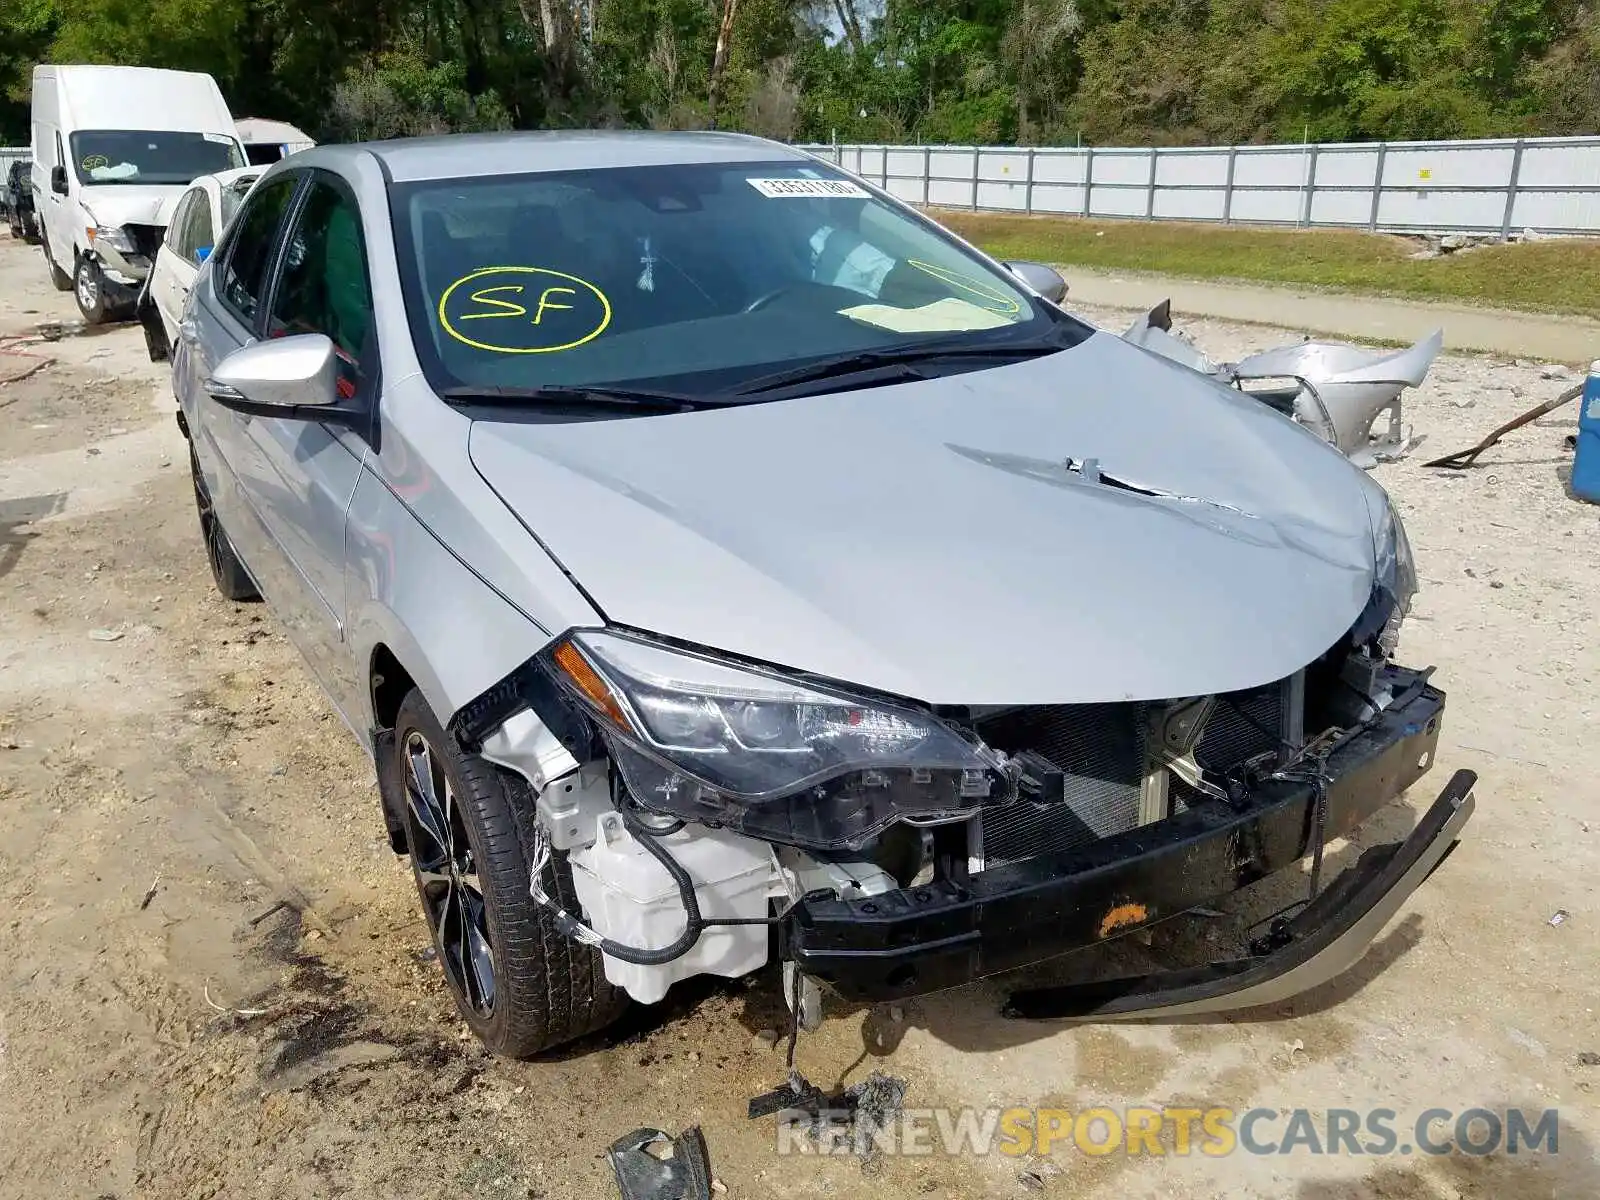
[(900, 849)]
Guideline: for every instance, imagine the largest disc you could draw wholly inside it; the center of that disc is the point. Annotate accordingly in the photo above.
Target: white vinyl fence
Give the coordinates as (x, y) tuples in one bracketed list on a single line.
[(1494, 187)]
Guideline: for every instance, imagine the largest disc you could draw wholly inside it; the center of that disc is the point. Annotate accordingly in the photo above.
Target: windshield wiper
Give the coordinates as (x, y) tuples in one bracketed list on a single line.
[(867, 360), (598, 394)]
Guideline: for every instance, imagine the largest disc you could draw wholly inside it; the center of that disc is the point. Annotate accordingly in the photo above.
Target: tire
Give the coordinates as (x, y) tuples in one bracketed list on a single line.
[(89, 290), (30, 229), (62, 281), (542, 988), (227, 571)]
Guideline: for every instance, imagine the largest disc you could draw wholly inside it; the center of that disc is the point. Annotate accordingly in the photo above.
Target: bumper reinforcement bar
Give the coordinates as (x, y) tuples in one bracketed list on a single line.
[(1325, 939)]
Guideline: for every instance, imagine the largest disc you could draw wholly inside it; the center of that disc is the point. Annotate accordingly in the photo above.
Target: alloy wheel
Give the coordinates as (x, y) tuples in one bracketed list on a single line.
[(447, 876), (88, 288)]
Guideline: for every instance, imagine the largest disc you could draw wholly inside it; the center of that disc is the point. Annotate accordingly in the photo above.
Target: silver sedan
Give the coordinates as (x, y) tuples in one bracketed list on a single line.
[(723, 564)]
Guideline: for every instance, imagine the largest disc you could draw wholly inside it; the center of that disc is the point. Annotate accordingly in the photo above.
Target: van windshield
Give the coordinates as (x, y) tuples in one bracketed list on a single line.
[(108, 156)]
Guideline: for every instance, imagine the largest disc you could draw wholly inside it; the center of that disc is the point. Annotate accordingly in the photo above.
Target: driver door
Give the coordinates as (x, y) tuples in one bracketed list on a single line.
[(296, 477)]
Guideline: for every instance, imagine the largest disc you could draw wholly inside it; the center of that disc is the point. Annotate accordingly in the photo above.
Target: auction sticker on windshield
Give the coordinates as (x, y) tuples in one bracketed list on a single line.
[(523, 310), (780, 189)]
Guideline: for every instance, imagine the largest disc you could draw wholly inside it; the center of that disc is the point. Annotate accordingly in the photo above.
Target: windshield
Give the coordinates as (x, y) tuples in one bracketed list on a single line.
[(694, 277), (108, 156)]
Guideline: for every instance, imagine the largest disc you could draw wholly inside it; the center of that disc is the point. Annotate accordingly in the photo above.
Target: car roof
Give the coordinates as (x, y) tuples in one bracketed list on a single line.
[(462, 156)]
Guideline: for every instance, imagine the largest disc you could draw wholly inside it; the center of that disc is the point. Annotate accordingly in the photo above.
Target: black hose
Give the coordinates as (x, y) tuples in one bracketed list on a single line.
[(694, 923)]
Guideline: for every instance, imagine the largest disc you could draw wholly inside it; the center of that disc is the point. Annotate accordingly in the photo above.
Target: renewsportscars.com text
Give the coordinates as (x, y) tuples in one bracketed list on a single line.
[(1180, 1132)]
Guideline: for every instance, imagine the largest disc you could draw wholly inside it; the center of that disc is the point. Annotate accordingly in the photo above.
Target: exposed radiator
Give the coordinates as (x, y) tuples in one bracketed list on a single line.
[(1102, 751)]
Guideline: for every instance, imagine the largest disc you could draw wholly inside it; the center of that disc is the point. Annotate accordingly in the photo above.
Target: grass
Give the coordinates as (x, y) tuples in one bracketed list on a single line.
[(1555, 276)]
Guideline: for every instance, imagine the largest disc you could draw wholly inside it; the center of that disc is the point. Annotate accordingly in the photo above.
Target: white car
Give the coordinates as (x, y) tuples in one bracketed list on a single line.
[(196, 221)]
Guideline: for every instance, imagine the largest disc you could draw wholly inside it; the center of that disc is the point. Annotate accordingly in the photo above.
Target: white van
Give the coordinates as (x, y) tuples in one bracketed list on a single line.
[(112, 148)]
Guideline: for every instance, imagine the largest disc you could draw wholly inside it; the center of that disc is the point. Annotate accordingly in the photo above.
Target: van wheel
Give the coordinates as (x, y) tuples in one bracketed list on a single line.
[(60, 278), (520, 985), (89, 286)]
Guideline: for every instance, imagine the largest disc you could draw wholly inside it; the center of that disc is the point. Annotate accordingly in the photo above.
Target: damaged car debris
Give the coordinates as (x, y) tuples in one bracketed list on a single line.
[(1336, 390), (650, 1164), (824, 597)]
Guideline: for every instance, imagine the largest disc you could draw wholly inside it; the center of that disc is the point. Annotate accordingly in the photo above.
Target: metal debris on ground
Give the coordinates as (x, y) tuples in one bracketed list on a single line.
[(651, 1164), (1559, 917), (1463, 459), (794, 1093), (855, 1119), (106, 635), (1335, 389)]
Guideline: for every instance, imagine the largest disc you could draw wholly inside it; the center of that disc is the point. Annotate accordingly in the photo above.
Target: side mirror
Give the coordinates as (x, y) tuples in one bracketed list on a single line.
[(58, 180), (1045, 280), (294, 377)]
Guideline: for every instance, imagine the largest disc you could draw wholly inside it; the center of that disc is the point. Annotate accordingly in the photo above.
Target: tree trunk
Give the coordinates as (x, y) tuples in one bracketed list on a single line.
[(849, 22), (719, 60)]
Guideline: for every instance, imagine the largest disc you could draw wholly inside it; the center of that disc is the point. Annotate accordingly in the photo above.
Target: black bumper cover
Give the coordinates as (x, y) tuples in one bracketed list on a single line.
[(927, 938)]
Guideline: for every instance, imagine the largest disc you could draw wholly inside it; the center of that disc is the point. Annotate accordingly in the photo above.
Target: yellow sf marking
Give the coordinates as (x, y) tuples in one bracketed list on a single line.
[(545, 301), (485, 297)]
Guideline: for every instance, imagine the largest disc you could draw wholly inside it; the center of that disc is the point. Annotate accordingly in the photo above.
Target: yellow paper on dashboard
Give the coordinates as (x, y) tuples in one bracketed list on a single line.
[(950, 315)]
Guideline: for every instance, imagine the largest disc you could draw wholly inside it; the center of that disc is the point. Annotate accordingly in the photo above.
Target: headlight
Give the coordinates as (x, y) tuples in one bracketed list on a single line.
[(1394, 585), (118, 239), (777, 757)]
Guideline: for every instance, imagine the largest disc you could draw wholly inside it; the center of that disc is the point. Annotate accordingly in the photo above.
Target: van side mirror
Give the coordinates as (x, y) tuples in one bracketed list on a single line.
[(1045, 280), (58, 180)]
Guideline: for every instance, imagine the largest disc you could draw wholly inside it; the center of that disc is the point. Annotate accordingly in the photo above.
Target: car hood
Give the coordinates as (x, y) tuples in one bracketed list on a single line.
[(1091, 526), (119, 204)]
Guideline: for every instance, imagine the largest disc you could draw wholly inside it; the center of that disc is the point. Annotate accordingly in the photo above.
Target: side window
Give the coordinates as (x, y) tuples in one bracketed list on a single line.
[(177, 240), (324, 284), (245, 273), (199, 238)]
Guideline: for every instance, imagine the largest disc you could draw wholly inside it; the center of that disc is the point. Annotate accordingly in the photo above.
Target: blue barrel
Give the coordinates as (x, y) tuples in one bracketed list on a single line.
[(1586, 461)]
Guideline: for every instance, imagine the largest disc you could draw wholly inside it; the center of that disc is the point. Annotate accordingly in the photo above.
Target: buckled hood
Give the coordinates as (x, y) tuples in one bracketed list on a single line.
[(115, 205), (1094, 525)]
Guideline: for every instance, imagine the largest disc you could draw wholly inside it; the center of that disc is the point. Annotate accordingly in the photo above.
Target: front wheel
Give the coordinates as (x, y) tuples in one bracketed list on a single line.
[(521, 985), (89, 289)]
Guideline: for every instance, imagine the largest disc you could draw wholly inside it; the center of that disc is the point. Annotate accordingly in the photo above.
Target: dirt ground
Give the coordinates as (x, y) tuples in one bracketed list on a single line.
[(215, 979)]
